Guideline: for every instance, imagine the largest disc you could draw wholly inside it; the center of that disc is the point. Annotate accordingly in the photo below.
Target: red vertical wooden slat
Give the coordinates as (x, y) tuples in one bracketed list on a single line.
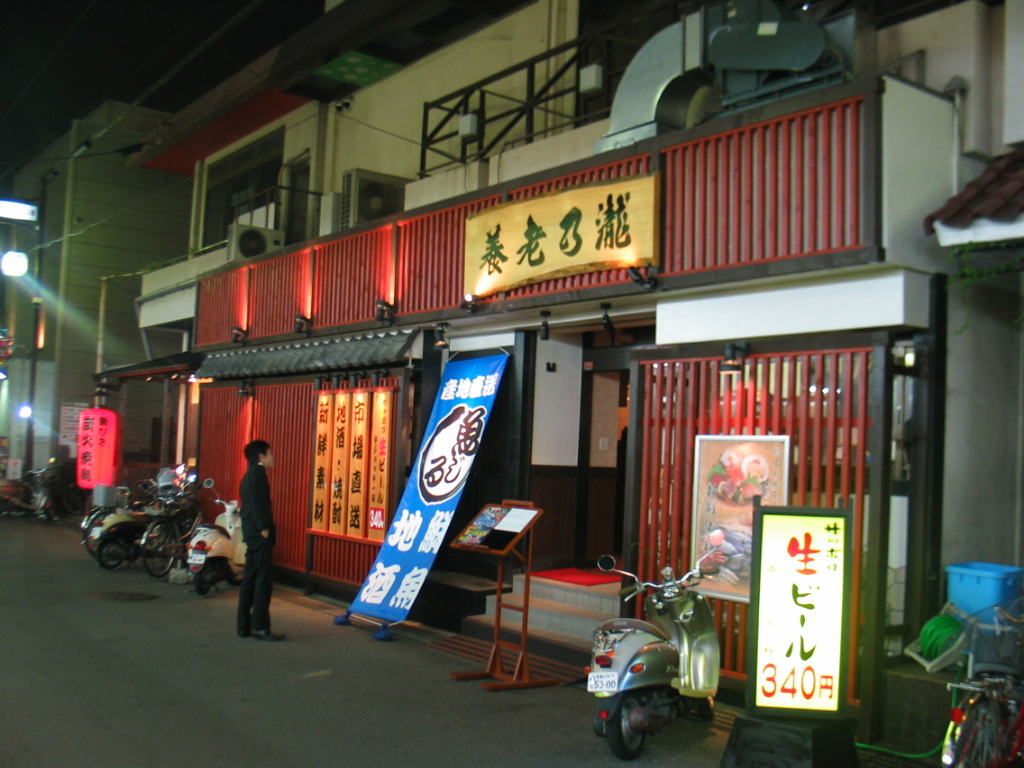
[(278, 290), (674, 502), (222, 305), (828, 153), (853, 173), (831, 431), (223, 430), (784, 211), (283, 415), (848, 445)]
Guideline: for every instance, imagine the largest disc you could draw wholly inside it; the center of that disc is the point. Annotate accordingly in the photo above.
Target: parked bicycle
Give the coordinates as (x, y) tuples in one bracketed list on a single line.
[(45, 493), (175, 513), (986, 728)]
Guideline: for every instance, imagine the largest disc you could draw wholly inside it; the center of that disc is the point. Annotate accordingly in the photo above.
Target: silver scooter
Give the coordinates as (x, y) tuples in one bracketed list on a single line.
[(645, 673)]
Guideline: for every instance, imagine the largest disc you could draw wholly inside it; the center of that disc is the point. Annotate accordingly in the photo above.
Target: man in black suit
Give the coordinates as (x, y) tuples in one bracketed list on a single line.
[(258, 533)]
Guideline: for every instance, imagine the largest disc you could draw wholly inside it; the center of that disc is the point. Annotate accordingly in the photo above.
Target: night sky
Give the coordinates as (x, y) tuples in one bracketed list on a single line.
[(60, 59)]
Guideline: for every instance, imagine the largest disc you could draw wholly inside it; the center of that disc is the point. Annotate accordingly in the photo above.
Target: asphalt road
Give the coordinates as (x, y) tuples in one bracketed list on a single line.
[(114, 668)]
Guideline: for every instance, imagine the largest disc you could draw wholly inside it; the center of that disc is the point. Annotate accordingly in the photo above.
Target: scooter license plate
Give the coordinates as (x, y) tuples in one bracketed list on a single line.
[(602, 682), (196, 558)]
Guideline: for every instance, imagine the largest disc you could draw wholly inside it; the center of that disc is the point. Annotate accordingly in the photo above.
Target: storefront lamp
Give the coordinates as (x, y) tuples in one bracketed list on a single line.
[(14, 263), (25, 412), (732, 363), (545, 329), (440, 341)]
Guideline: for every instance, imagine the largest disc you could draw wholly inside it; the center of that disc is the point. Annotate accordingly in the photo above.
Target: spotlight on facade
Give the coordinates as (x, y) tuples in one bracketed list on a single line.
[(545, 329), (648, 282), (239, 335), (468, 305), (606, 322), (384, 312), (440, 342), (303, 324), (732, 363)]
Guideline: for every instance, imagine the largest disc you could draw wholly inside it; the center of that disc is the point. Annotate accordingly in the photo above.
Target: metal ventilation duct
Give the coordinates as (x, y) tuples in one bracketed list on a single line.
[(654, 95), (726, 57)]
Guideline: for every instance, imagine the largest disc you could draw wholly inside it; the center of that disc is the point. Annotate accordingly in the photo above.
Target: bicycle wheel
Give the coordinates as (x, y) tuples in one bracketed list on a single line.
[(981, 741), (159, 545)]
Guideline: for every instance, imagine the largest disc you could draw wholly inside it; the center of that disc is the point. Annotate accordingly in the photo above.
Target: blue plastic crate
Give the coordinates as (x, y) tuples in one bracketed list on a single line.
[(975, 586)]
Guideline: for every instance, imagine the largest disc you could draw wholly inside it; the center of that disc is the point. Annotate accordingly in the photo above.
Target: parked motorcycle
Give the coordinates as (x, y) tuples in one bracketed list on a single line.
[(118, 536), (93, 520), (645, 673), (216, 552)]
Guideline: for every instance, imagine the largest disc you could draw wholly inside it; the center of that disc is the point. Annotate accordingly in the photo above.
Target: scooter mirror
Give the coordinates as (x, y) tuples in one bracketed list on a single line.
[(208, 482), (606, 563), (716, 537)]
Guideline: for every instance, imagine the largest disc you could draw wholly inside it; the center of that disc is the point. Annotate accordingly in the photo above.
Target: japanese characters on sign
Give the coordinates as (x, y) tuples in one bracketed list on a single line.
[(322, 462), (97, 447), (379, 461), (425, 511), (358, 455), (352, 463), (582, 229), (340, 453), (800, 608)]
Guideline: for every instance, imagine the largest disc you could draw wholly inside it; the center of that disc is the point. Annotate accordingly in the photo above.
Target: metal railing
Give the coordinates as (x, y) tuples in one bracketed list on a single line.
[(517, 105)]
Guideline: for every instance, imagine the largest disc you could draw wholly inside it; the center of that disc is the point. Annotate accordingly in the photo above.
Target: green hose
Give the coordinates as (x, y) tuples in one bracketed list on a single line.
[(938, 635)]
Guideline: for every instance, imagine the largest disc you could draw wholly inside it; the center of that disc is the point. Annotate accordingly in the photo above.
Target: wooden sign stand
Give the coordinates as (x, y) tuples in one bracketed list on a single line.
[(496, 530)]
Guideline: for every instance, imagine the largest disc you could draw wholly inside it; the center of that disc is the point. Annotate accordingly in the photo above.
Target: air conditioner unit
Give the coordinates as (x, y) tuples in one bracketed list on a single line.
[(366, 196), (245, 241)]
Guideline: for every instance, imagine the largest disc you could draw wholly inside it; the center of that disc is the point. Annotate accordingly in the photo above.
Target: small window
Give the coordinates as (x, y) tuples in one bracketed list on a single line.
[(244, 184)]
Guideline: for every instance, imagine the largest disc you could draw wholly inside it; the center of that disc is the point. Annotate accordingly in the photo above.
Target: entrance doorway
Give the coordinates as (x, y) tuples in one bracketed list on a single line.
[(603, 431)]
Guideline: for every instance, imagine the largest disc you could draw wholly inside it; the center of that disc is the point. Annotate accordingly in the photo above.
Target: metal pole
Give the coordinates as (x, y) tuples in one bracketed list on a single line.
[(30, 431)]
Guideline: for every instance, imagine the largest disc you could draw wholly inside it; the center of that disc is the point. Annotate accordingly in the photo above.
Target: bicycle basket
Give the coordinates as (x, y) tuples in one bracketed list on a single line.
[(995, 638)]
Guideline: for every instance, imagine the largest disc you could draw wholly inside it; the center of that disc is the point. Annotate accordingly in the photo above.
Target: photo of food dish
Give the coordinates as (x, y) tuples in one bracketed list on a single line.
[(729, 473)]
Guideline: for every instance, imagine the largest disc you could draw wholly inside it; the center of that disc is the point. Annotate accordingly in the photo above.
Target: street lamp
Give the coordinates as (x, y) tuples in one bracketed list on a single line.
[(14, 263)]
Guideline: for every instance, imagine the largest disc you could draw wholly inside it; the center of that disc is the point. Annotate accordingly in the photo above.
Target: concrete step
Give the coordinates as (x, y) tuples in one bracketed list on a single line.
[(572, 621), (540, 642), (603, 598)]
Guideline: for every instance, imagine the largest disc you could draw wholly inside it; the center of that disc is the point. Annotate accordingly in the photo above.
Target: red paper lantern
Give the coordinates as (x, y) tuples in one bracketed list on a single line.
[(97, 447)]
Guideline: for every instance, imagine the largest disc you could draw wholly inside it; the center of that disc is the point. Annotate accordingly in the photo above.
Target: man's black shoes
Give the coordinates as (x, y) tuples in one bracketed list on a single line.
[(263, 634), (245, 633)]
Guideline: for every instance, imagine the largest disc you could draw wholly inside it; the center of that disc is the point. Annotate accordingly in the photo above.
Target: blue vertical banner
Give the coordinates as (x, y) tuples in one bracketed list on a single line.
[(425, 512)]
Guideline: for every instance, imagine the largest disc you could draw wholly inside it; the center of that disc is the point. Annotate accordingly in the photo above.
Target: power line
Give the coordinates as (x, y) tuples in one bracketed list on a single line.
[(45, 64)]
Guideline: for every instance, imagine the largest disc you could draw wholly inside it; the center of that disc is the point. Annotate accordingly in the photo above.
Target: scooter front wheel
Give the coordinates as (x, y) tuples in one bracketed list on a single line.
[(623, 741)]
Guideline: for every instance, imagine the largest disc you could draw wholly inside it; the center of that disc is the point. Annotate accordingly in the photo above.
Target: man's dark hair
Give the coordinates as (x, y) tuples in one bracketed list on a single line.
[(255, 449)]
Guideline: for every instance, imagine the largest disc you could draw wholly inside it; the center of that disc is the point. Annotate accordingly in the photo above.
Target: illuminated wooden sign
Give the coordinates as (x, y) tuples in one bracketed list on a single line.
[(322, 462), (340, 456), (799, 610), (97, 447), (352, 463), (582, 229), (379, 466), (358, 455)]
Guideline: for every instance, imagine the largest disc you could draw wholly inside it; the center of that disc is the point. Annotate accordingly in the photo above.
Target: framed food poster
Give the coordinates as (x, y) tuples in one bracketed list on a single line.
[(729, 471)]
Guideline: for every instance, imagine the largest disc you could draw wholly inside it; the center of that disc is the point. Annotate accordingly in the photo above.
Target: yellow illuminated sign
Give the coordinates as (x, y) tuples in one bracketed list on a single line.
[(582, 229), (800, 573)]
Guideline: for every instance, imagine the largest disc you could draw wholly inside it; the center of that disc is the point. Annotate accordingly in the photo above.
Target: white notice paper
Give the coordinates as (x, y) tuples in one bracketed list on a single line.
[(516, 519)]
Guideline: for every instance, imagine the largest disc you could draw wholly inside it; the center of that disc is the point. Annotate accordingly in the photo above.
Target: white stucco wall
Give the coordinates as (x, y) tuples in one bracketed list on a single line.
[(919, 156), (556, 413), (982, 483)]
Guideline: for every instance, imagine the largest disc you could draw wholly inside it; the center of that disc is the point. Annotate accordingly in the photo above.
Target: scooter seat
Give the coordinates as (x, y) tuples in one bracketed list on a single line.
[(638, 625)]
